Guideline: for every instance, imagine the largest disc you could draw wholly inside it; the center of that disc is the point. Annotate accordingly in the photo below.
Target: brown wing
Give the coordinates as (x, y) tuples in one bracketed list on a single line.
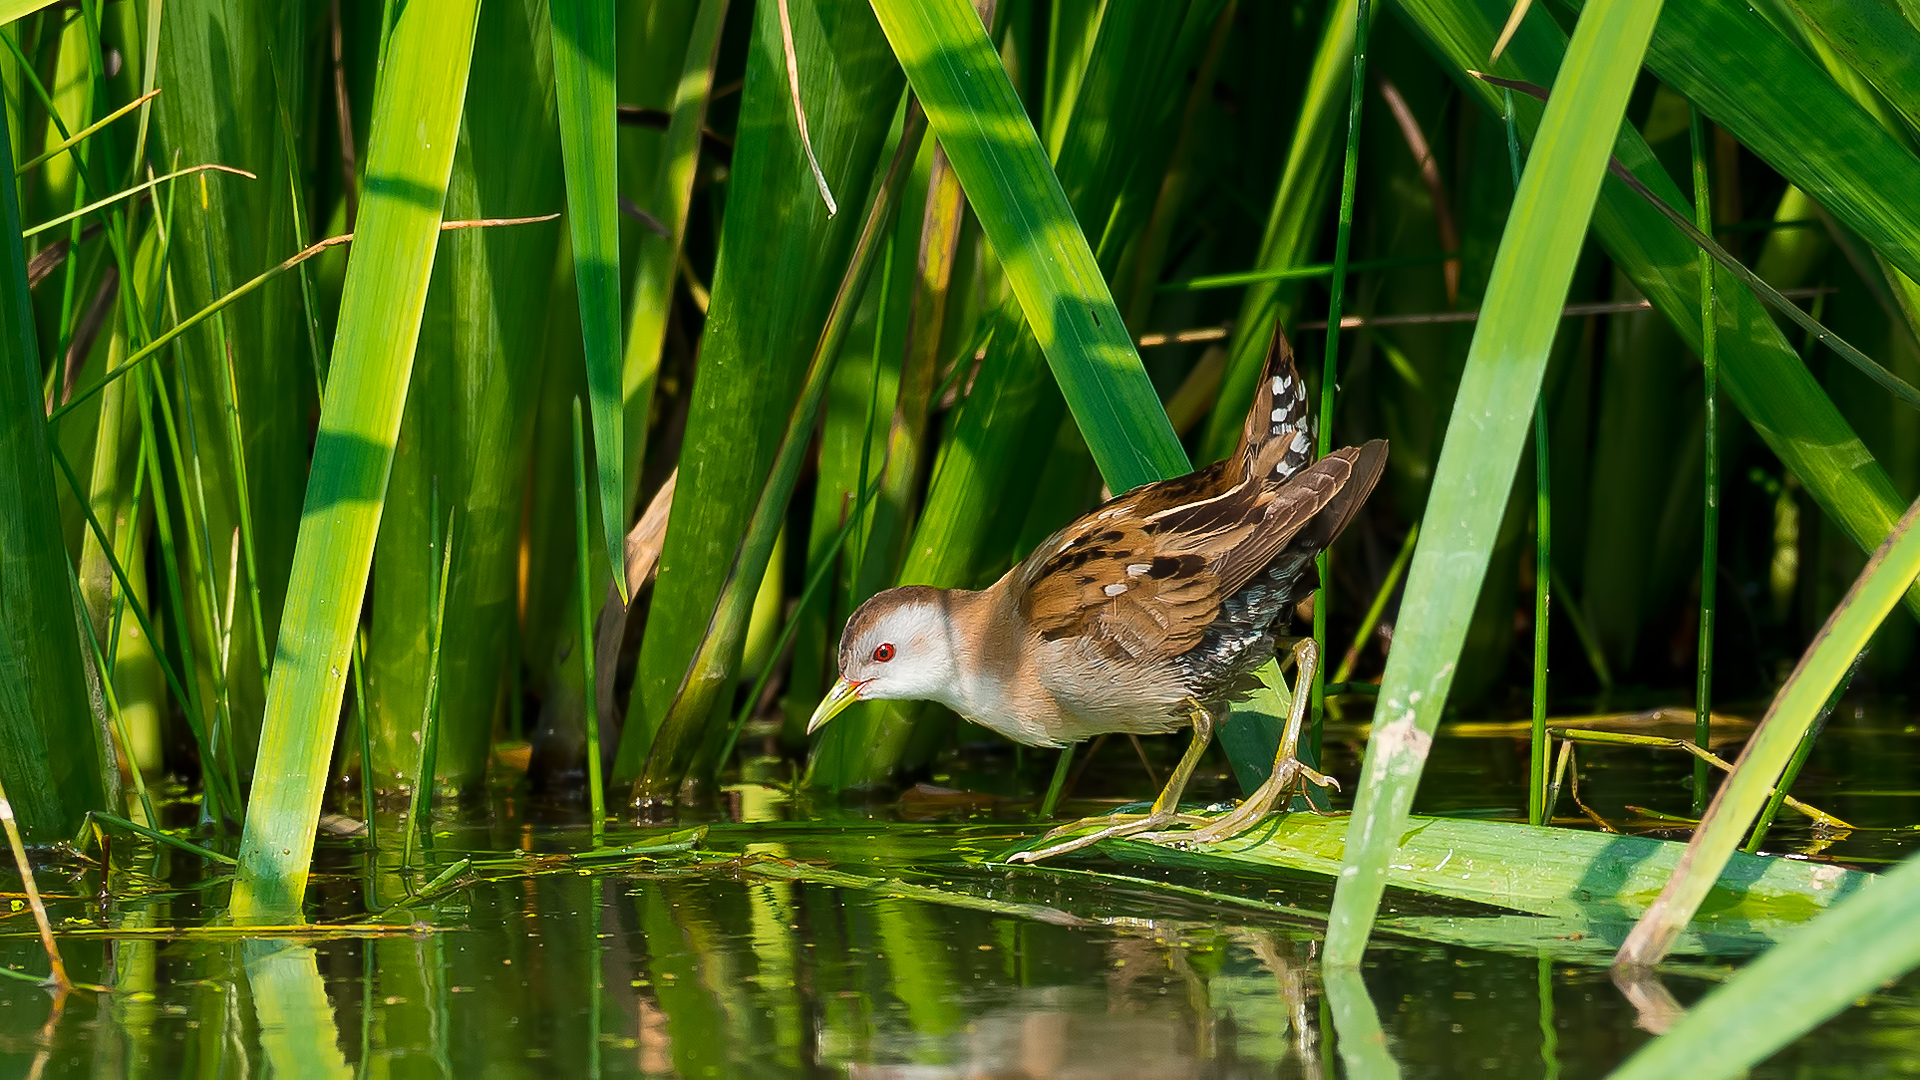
[(1144, 575)]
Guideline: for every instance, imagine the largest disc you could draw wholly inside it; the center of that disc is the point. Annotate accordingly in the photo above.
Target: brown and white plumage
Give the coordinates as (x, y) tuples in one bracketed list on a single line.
[(1167, 594)]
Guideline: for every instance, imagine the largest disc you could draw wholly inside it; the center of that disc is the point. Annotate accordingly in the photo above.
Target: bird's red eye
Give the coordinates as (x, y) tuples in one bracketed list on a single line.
[(884, 653)]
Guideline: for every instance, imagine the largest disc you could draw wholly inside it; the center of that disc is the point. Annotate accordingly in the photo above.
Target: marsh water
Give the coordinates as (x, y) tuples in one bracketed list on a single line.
[(877, 941)]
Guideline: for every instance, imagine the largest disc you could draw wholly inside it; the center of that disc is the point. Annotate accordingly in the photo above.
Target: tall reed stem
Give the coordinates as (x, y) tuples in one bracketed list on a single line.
[(428, 763), (1542, 580), (596, 790), (1710, 530), (1539, 808), (1329, 368), (366, 736)]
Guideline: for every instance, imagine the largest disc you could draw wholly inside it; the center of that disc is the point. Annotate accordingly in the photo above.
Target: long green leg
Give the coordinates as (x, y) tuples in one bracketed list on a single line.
[(1165, 810), (1289, 773)]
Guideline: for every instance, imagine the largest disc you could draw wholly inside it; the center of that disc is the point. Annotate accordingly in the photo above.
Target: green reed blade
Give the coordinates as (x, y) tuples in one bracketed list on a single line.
[(807, 593), (979, 119), (1539, 745), (367, 801), (853, 446), (155, 835), (227, 396), (779, 266), (199, 546), (410, 154), (222, 793), (694, 703), (1595, 881), (469, 420), (113, 735), (1879, 587), (48, 751), (1307, 272), (1846, 954), (903, 369), (119, 196), (114, 491), (1710, 532), (20, 9), (101, 666), (657, 258), (1502, 379), (84, 133), (301, 236), (1876, 41), (583, 79)]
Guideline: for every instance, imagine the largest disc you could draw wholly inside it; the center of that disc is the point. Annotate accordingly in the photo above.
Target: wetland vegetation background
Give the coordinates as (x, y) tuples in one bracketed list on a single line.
[(442, 440)]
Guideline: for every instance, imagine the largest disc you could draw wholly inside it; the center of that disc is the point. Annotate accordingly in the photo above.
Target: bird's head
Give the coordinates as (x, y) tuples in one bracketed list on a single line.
[(899, 645)]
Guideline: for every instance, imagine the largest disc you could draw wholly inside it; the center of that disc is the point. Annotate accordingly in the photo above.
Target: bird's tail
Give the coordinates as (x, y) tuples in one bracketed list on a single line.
[(1278, 440)]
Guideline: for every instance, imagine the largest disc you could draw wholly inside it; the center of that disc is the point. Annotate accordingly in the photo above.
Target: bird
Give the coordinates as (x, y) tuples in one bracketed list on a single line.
[(1147, 614)]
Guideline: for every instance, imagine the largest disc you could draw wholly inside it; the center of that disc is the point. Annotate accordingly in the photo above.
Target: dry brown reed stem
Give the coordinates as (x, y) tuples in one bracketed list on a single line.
[(1430, 176), (58, 974), (343, 114)]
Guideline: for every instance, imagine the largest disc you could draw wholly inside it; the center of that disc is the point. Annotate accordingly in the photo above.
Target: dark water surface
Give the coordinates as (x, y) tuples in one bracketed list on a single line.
[(871, 942)]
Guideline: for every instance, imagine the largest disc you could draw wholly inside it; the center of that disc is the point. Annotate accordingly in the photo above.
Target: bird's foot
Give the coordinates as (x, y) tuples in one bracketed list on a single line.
[(1110, 826), (1292, 776)]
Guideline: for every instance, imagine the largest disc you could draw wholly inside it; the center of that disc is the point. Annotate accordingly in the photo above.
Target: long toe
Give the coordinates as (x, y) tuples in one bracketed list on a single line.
[(1089, 823), (1223, 827), (1318, 779), (1115, 825)]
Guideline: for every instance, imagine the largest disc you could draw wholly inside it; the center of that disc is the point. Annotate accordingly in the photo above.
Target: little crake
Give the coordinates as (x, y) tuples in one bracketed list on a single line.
[(1147, 615)]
